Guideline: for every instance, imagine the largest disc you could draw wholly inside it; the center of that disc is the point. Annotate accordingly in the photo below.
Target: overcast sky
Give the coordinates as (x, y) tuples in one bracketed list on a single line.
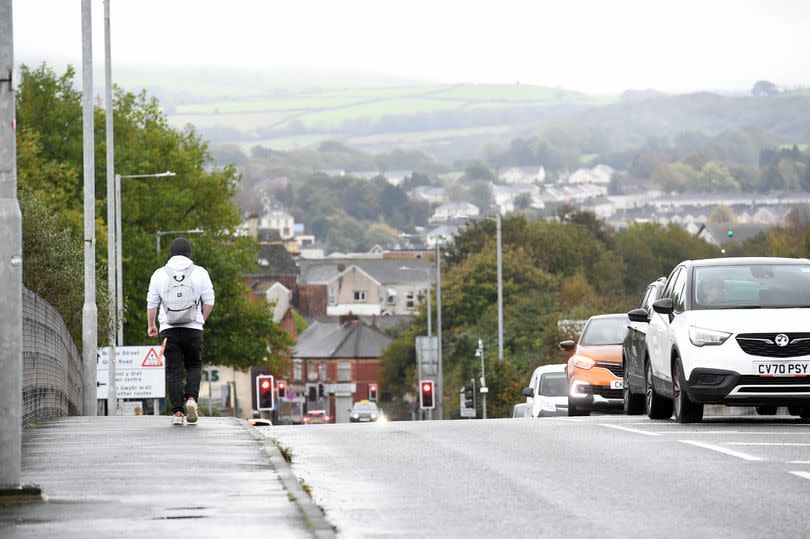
[(595, 46)]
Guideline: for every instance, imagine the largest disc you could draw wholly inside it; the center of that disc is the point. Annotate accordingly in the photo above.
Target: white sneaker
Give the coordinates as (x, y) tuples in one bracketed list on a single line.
[(177, 419), (191, 410)]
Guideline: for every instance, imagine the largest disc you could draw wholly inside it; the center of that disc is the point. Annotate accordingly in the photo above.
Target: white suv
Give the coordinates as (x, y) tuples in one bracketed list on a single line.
[(732, 331)]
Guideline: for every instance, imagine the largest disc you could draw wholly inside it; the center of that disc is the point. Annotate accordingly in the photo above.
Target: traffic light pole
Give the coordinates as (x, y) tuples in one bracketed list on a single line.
[(480, 353)]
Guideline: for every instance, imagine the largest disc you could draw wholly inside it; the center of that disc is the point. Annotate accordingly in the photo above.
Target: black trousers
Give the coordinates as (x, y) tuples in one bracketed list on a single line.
[(183, 356)]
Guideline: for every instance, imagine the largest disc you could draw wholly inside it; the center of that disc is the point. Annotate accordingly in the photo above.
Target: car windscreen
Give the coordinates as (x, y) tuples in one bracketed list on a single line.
[(605, 331), (751, 286), (361, 407), (554, 384)]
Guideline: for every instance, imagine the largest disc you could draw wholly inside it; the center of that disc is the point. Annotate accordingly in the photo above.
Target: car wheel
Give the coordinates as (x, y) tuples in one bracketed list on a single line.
[(805, 413), (686, 411), (657, 406), (574, 411), (795, 410), (767, 410), (633, 404)]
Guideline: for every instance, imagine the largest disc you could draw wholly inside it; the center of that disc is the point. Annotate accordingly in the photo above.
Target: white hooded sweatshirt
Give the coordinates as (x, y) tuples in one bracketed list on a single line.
[(200, 282)]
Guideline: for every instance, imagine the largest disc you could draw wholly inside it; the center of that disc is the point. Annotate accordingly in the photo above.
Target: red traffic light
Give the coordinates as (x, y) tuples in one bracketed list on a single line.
[(426, 401), (265, 384), (427, 388), (372, 387)]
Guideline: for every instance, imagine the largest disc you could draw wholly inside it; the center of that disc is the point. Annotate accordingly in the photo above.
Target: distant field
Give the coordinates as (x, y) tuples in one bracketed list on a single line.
[(327, 109)]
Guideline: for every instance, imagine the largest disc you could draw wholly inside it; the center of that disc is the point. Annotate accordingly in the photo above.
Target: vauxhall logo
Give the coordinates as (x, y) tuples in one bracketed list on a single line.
[(781, 340)]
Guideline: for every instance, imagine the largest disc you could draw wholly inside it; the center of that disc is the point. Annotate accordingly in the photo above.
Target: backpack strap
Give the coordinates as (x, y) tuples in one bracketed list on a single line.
[(180, 277)]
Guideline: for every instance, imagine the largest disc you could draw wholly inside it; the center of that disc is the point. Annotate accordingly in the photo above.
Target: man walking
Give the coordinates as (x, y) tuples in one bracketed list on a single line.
[(185, 296)]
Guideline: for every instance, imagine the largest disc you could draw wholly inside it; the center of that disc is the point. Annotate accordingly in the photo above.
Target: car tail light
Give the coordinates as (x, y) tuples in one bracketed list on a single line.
[(306, 420), (327, 418)]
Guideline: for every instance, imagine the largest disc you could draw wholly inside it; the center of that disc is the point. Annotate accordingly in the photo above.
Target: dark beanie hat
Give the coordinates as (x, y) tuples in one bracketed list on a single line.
[(180, 246)]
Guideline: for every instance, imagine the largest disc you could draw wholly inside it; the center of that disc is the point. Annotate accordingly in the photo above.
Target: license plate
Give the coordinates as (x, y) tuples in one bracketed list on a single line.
[(617, 384), (365, 419), (781, 368)]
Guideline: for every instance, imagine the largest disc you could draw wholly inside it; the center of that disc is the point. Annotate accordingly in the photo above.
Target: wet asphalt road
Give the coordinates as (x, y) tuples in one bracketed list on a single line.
[(608, 475)]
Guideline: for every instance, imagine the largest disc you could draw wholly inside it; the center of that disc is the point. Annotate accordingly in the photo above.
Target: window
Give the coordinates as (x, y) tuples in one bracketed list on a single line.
[(679, 291), (409, 300), (359, 296), (322, 372), (344, 371), (667, 293), (554, 384), (646, 297), (392, 299), (604, 331), (298, 369), (330, 295)]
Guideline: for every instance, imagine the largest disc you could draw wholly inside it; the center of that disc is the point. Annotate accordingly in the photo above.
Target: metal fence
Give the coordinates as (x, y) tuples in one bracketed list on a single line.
[(52, 365)]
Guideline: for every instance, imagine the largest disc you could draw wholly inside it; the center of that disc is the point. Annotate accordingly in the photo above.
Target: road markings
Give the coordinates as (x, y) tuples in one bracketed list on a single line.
[(769, 443), (798, 462), (712, 447), (628, 429), (805, 475)]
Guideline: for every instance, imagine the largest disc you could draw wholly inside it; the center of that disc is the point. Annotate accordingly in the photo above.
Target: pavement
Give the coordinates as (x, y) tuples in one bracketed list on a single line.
[(141, 477), (608, 475)]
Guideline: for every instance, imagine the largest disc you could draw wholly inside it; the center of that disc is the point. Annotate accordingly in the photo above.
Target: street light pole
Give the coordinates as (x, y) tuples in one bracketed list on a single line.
[(112, 401), (89, 310), (500, 286), (10, 269), (118, 234), (439, 324)]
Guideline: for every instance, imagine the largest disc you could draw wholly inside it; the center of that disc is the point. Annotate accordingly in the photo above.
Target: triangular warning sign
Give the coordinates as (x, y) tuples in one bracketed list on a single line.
[(152, 359)]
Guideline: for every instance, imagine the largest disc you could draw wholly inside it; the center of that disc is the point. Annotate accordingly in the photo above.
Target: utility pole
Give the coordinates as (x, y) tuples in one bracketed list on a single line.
[(10, 269), (439, 324), (484, 389), (500, 286), (112, 394), (89, 310)]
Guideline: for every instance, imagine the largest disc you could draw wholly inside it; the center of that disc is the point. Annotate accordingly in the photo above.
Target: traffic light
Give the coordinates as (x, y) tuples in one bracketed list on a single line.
[(372, 392), (265, 392), (282, 390), (321, 390), (426, 400)]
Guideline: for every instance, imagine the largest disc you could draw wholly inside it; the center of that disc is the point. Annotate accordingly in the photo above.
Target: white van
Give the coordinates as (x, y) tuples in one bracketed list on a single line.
[(547, 394)]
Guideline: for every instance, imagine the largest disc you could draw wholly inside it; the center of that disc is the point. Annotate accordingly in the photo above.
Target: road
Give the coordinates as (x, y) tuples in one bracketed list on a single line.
[(609, 475)]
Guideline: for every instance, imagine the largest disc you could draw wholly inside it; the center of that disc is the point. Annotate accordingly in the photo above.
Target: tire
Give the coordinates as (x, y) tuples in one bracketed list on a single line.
[(633, 404), (657, 406), (805, 413), (795, 410), (686, 411), (767, 410), (574, 411)]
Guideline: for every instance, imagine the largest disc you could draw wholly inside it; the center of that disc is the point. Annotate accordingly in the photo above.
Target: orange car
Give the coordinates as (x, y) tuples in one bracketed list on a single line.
[(595, 369)]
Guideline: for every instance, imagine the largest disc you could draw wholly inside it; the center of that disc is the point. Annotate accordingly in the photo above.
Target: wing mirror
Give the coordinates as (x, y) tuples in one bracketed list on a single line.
[(567, 346), (665, 306), (528, 392), (639, 315)]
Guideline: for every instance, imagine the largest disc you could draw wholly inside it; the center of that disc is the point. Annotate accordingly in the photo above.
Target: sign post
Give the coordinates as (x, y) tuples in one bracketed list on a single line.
[(140, 372)]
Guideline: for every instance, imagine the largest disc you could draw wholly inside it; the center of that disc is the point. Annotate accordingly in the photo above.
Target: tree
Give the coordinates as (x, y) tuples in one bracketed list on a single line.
[(764, 88), (200, 196)]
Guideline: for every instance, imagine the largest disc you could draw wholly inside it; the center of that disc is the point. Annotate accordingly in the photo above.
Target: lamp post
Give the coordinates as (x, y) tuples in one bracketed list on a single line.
[(112, 394), (500, 286), (160, 233), (439, 324), (119, 286)]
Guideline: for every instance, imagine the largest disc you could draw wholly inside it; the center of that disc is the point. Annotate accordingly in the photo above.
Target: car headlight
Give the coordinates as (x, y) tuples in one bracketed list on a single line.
[(373, 416), (584, 362), (703, 337), (548, 406), (356, 416)]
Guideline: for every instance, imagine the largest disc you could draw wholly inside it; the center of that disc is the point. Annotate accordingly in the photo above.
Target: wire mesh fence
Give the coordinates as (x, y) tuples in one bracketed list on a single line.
[(52, 365)]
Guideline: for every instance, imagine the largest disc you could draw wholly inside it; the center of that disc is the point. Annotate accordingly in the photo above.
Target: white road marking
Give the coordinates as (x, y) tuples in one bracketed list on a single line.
[(769, 443), (731, 452), (628, 429), (798, 462), (805, 475), (764, 433)]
